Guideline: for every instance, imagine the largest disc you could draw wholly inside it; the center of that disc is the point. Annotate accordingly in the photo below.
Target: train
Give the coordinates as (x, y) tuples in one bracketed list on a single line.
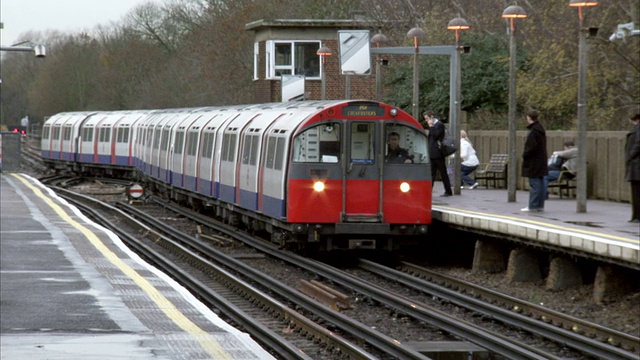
[(307, 174)]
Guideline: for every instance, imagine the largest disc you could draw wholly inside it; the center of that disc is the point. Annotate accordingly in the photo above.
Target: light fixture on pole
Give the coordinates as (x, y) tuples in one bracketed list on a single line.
[(456, 25), (323, 52), (512, 12), (378, 39), (581, 180), (416, 33)]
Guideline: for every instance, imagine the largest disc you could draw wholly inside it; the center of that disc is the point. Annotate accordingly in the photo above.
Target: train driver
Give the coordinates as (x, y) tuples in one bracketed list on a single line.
[(396, 154)]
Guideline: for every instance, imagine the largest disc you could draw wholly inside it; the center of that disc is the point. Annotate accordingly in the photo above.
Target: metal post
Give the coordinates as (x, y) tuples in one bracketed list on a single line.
[(455, 122), (323, 80), (581, 185), (511, 173), (378, 79), (416, 82)]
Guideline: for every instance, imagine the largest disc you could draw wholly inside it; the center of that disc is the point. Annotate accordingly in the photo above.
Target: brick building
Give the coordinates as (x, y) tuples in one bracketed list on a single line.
[(289, 46)]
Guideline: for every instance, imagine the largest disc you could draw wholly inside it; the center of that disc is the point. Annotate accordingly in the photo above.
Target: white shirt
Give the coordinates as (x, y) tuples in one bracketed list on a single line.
[(468, 154)]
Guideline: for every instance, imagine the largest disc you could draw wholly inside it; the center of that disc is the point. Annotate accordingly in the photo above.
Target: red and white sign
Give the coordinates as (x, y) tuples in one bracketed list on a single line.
[(136, 191)]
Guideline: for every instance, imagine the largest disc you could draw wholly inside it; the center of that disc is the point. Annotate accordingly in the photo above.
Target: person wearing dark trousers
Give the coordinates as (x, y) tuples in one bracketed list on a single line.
[(436, 134), (534, 162), (632, 166)]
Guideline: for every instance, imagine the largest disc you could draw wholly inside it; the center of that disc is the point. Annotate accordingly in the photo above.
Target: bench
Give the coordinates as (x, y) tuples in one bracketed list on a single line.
[(565, 183), (494, 171)]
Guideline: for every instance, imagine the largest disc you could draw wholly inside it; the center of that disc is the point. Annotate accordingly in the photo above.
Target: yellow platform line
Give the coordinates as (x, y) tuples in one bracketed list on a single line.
[(543, 224), (209, 344)]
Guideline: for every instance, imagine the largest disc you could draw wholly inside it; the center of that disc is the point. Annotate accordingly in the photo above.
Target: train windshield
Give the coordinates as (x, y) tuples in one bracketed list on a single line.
[(405, 145), (318, 144)]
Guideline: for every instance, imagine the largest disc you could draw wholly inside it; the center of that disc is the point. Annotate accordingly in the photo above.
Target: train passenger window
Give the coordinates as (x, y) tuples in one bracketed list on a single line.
[(192, 143), (207, 150), (66, 133), (229, 147), (104, 135), (271, 152), (412, 142), (87, 134), (179, 142), (156, 139), (123, 135), (46, 131), (279, 154), (318, 144), (56, 133), (164, 141)]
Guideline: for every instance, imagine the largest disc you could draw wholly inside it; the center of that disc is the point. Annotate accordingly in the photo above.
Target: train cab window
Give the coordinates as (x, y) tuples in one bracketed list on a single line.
[(412, 142), (362, 149), (320, 144)]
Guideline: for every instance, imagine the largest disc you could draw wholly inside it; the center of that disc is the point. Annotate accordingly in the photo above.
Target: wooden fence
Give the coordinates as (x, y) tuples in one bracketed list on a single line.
[(605, 158)]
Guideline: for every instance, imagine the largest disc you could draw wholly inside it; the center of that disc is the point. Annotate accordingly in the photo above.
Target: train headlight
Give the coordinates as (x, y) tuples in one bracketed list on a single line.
[(318, 186), (405, 187), (393, 112)]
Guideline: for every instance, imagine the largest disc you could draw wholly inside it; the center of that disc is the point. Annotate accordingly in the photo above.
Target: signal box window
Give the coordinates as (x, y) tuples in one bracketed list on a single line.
[(292, 58)]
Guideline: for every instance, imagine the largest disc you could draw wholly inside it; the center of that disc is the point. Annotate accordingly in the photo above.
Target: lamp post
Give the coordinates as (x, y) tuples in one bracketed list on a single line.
[(323, 52), (378, 39), (416, 33), (456, 25), (581, 186), (512, 12)]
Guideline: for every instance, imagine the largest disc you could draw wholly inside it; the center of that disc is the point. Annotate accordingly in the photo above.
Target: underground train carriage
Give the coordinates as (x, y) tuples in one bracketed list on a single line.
[(309, 172)]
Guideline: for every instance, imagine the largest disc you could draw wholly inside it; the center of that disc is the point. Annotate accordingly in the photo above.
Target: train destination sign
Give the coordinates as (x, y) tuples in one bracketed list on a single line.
[(362, 110)]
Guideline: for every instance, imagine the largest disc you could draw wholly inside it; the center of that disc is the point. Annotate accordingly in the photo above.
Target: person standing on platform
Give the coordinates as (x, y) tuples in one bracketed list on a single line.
[(632, 165), (470, 161), (436, 135), (534, 162)]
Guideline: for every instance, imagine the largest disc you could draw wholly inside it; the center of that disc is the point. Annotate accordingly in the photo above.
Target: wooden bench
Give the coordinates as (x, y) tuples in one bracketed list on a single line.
[(565, 183), (494, 171)]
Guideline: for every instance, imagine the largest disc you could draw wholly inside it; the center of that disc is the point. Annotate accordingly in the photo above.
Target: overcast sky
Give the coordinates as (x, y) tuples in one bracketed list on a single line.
[(67, 16)]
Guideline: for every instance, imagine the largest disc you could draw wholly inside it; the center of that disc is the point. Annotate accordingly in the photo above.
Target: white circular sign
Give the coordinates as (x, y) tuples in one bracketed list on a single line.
[(136, 191)]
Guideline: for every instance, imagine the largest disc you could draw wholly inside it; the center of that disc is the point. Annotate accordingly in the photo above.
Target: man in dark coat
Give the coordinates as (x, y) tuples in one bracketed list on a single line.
[(632, 165), (534, 162), (436, 134), (396, 154)]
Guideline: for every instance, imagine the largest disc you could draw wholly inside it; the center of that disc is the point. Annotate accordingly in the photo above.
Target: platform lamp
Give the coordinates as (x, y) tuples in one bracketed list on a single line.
[(512, 13), (323, 52), (581, 180), (378, 39), (456, 25), (416, 33)]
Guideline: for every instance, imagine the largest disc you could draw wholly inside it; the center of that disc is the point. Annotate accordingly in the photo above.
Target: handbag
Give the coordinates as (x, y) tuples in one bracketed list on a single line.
[(447, 145)]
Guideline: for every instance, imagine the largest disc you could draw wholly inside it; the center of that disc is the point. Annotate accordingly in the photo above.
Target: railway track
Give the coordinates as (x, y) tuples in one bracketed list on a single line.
[(264, 317), (587, 339)]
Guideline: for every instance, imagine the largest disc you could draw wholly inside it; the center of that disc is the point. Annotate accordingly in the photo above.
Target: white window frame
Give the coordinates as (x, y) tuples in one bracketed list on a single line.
[(270, 71), (256, 60)]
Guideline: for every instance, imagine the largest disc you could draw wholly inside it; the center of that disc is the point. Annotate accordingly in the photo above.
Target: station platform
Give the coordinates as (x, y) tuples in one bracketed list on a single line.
[(603, 230), (72, 290)]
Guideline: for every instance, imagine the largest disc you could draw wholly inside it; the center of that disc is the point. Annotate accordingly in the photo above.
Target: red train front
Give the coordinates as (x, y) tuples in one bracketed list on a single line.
[(347, 189)]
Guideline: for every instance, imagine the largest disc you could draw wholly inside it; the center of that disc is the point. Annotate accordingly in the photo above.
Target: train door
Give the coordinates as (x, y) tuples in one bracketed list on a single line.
[(361, 196)]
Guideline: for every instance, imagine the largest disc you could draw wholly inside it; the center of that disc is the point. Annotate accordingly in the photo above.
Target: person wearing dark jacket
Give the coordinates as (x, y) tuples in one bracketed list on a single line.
[(436, 135), (534, 162), (632, 166)]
